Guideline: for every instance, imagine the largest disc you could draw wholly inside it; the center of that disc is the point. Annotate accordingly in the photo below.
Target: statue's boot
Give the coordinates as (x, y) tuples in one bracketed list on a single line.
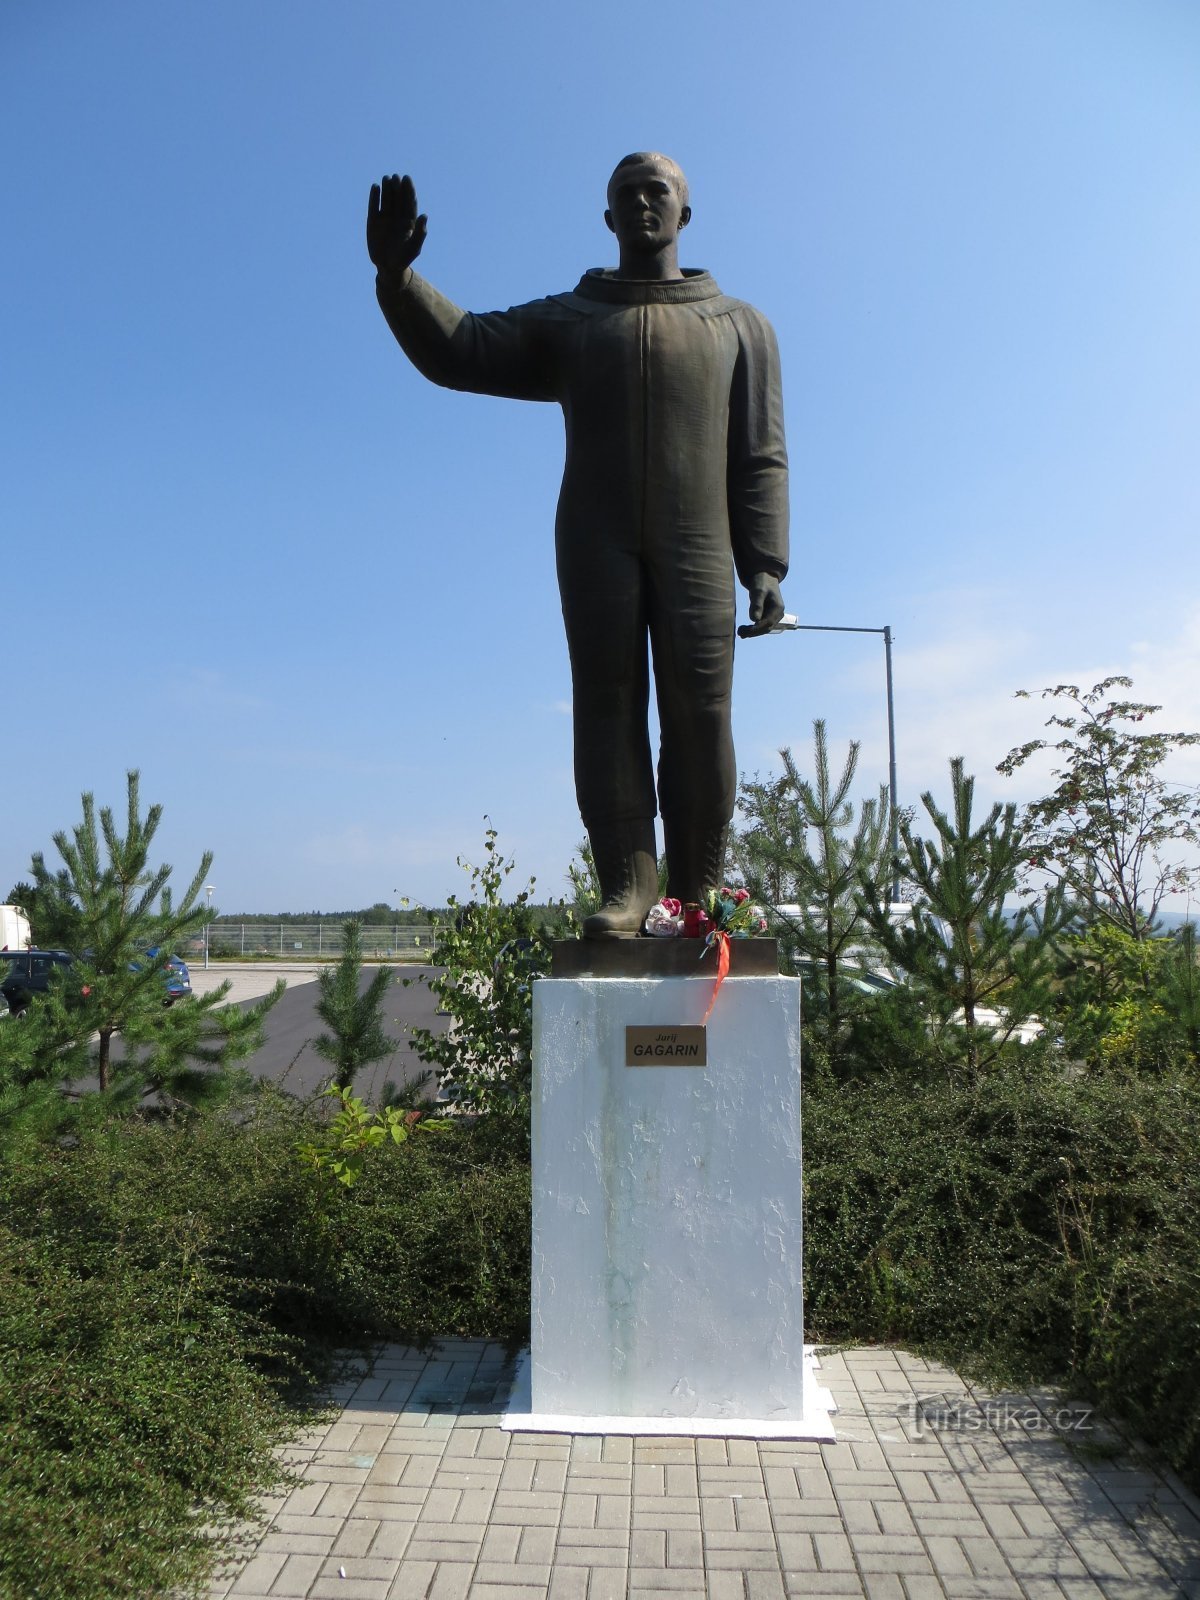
[(695, 860), (628, 871)]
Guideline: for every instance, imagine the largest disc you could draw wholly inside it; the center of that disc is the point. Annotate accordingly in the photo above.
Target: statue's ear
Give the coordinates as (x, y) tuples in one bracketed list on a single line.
[(608, 222), (685, 216)]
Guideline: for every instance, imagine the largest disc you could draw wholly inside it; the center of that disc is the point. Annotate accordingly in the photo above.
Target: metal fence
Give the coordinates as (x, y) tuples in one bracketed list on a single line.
[(301, 940)]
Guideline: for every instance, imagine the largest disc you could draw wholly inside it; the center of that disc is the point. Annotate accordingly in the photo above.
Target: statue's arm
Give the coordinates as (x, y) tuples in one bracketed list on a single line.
[(758, 471), (501, 352)]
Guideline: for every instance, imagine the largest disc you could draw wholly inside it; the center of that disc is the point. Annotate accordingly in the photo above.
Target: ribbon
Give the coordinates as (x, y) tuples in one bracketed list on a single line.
[(721, 939)]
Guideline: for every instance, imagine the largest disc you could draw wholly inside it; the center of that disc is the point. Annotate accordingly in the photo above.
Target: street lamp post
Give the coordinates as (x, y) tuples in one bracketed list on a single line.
[(208, 889), (790, 624)]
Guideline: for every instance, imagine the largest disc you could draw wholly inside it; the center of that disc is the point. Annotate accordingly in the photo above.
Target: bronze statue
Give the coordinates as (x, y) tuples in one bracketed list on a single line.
[(676, 473)]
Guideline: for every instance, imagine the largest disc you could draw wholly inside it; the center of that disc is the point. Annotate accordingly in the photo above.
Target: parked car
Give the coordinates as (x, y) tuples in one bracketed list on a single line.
[(177, 980), (27, 973)]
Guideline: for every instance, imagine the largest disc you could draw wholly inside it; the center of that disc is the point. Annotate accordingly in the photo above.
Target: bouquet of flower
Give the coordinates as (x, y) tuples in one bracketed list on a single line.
[(727, 915), (665, 920), (730, 912)]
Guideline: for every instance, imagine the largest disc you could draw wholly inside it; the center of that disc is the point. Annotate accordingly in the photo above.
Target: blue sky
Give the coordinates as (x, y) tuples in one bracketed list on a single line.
[(312, 598)]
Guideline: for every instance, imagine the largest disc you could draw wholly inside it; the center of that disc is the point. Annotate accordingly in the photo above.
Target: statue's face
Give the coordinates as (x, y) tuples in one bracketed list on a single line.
[(646, 210)]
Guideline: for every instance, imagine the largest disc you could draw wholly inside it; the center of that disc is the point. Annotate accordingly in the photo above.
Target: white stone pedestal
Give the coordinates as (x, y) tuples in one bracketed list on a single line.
[(667, 1250)]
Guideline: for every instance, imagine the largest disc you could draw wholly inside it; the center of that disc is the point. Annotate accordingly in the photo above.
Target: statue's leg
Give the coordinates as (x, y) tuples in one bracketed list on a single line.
[(605, 618), (692, 631)]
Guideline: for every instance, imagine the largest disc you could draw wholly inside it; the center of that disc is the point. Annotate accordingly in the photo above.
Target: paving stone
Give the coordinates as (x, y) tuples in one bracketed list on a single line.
[(500, 1543), (780, 1483), (531, 1500), (712, 1452), (441, 1505), (859, 1517), (833, 1552), (301, 1544), (883, 1586), (450, 1532), (984, 1589), (743, 1560), (606, 1584), (579, 1510), (517, 1474), (335, 1588), (305, 1498), (716, 1513), (620, 1471), (568, 1583), (536, 1546), (864, 1486), (297, 1576), (482, 1475), (797, 1552), (751, 1512), (259, 1573), (804, 1522), (893, 1515), (413, 1580), (617, 1448), (389, 1502), (546, 1447), (391, 1541), (524, 1516), (360, 1567), (1037, 1522), (920, 1586), (450, 1583), (440, 1550), (593, 1538), (823, 1585), (684, 1548), (752, 1539), (665, 1504), (948, 1557), (355, 1537), (510, 1581), (1036, 1558), (648, 1548), (726, 1586), (589, 1555), (764, 1586), (550, 1476), (473, 1505), (494, 1444)]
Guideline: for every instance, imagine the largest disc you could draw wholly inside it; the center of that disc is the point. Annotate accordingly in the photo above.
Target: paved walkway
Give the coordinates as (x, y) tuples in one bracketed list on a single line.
[(933, 1491)]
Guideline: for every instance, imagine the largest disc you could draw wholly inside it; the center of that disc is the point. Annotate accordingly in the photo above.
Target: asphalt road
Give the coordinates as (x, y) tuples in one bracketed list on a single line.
[(288, 1058)]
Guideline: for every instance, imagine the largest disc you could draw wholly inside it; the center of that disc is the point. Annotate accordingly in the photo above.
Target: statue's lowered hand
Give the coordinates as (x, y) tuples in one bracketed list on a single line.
[(766, 606), (395, 232)]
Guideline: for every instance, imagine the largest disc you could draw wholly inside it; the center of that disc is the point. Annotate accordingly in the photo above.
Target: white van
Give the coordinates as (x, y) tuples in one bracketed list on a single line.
[(14, 929)]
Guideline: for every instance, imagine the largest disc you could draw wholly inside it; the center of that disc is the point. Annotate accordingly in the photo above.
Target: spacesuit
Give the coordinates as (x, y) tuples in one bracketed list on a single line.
[(676, 473)]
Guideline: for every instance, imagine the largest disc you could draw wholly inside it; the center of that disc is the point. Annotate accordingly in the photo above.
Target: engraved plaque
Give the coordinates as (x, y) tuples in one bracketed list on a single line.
[(685, 1045)]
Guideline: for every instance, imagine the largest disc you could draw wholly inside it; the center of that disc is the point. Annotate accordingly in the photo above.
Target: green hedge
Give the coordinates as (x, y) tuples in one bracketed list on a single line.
[(169, 1293), (1029, 1225)]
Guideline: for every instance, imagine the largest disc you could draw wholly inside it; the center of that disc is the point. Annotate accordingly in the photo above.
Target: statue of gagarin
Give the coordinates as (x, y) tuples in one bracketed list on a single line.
[(676, 474)]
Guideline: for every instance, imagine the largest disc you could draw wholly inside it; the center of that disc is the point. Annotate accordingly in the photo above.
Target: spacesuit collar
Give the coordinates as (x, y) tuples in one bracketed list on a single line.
[(601, 283)]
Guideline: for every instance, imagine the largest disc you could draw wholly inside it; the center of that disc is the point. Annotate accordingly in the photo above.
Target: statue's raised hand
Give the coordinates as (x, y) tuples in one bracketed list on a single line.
[(395, 233)]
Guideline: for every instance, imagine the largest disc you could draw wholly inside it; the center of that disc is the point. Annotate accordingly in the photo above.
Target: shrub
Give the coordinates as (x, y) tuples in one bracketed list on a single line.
[(1025, 1224), (169, 1293)]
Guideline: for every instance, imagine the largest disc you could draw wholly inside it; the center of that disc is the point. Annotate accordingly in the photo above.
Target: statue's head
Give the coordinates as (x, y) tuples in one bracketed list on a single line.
[(647, 200)]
